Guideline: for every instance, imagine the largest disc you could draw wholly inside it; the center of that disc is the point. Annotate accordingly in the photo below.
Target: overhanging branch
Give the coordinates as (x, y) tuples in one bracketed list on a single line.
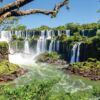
[(34, 11), (14, 5)]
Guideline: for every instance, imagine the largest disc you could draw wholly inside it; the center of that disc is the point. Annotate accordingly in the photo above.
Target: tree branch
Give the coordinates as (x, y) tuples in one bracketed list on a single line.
[(17, 13), (14, 5)]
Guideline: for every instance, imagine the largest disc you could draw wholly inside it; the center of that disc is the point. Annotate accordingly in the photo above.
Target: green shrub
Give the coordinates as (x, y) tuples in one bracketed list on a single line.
[(7, 68), (20, 38), (77, 36), (91, 65), (14, 37), (53, 56), (63, 38), (3, 45), (96, 91)]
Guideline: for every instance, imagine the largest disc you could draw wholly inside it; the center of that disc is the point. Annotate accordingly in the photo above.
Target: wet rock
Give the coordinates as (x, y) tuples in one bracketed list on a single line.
[(58, 62)]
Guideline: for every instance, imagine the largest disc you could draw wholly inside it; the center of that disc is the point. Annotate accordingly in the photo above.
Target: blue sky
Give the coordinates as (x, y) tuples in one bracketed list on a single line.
[(81, 11)]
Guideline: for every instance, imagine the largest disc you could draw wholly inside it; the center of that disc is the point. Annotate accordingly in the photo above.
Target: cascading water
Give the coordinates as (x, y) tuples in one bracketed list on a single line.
[(26, 47), (78, 52), (5, 36), (28, 53), (73, 54), (59, 33), (18, 33), (68, 33), (22, 58), (83, 32), (41, 43), (51, 45), (58, 45), (54, 45), (49, 34)]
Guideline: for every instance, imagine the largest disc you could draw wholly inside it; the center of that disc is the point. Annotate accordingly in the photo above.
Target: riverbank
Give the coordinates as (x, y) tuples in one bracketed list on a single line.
[(89, 69), (9, 71)]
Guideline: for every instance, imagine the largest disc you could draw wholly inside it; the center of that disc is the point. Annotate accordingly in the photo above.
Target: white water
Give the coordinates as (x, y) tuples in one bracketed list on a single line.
[(49, 34), (83, 32), (59, 33), (68, 33), (26, 47), (18, 33), (75, 55), (5, 36), (51, 46), (41, 43), (78, 53), (21, 59)]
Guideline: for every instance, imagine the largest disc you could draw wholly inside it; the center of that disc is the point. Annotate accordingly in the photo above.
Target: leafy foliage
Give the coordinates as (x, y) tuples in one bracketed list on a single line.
[(14, 37), (7, 68), (42, 90), (8, 23), (53, 56), (3, 45), (90, 66)]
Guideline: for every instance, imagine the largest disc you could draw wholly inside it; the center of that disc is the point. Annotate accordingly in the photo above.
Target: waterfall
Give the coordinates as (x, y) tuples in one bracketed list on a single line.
[(59, 33), (26, 47), (78, 52), (75, 53), (18, 33), (49, 34), (41, 43), (51, 46), (68, 33), (83, 32), (5, 36), (53, 34), (58, 44), (98, 30)]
